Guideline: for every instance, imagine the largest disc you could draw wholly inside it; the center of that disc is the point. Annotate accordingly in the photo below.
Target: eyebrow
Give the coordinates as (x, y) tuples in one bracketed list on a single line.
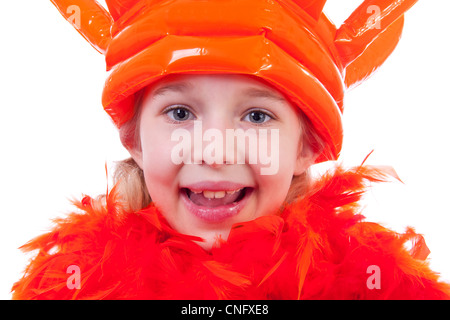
[(185, 86), (263, 93), (173, 87)]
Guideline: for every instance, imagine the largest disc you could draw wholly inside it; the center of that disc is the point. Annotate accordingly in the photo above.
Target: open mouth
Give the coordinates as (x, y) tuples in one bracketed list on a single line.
[(215, 205), (215, 198)]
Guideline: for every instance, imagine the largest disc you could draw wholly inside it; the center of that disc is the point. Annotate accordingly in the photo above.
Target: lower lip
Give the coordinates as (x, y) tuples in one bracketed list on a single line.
[(215, 214)]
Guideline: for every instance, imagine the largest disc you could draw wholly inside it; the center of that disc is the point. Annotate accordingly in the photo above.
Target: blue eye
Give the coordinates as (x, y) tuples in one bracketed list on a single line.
[(180, 114), (257, 117)]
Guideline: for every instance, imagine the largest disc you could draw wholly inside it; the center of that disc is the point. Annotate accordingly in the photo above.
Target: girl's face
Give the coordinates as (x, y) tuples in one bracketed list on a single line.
[(199, 171)]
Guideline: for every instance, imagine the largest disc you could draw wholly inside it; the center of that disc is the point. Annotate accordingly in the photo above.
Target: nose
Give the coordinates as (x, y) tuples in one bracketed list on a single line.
[(211, 145)]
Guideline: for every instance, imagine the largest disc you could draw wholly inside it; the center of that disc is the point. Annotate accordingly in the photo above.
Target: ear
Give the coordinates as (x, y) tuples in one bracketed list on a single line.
[(306, 157)]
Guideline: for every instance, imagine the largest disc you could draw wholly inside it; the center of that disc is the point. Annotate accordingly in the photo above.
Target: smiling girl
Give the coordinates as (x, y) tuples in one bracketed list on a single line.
[(202, 221), (203, 199)]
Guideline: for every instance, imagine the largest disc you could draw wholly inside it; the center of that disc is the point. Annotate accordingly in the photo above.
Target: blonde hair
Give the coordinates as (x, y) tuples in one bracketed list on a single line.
[(129, 177)]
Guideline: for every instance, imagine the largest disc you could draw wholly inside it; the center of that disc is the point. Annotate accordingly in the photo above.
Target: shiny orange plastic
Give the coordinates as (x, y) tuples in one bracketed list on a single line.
[(374, 56), (91, 20), (365, 24), (269, 18), (290, 44)]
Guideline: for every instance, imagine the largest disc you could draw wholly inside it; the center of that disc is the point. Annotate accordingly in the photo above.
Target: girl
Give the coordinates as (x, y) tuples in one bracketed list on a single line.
[(193, 213)]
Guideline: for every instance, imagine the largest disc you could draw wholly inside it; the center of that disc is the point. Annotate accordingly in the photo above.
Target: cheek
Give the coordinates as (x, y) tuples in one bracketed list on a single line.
[(154, 152), (277, 154), (271, 193), (159, 171), (274, 187)]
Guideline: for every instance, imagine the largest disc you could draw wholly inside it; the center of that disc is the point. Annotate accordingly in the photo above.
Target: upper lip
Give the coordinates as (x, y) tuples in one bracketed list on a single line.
[(214, 186)]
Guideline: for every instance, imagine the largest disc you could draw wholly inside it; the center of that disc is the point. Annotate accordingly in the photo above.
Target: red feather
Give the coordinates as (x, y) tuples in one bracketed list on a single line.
[(317, 248)]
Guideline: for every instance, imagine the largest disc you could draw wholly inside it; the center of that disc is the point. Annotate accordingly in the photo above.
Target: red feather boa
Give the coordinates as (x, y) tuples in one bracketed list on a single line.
[(317, 248)]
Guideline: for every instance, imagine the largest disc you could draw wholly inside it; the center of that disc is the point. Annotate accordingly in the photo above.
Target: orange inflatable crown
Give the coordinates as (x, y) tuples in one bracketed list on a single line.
[(290, 44)]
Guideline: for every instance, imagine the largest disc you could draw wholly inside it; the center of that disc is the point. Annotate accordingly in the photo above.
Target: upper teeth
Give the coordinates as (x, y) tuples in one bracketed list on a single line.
[(216, 194)]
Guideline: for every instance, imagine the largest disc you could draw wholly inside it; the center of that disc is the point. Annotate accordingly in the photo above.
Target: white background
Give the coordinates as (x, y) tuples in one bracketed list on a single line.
[(56, 139)]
